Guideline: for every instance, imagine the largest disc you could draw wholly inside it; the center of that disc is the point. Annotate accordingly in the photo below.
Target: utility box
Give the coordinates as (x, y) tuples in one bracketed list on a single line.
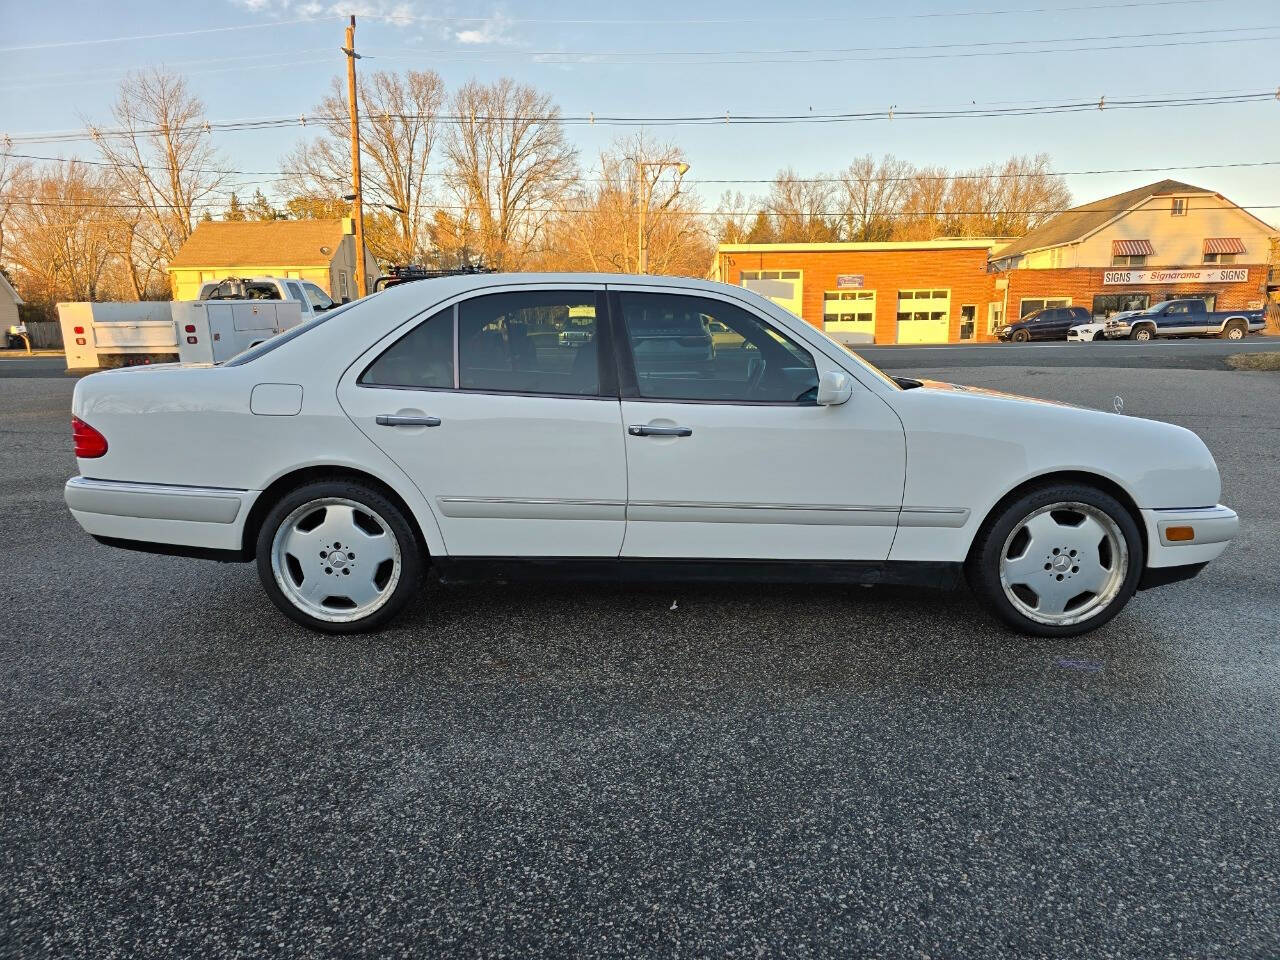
[(211, 331)]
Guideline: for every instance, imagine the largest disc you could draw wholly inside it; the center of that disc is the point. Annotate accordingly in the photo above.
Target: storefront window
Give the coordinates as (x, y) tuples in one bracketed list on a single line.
[(1105, 304)]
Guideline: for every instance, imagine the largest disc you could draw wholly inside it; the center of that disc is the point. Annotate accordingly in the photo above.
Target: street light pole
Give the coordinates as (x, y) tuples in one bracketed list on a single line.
[(645, 188), (357, 204)]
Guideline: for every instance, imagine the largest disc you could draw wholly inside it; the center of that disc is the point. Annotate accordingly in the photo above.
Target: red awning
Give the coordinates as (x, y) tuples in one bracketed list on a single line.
[(1224, 245), (1131, 248)]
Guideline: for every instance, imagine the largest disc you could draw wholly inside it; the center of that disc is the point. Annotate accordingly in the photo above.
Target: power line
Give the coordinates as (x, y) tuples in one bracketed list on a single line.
[(163, 36), (892, 113), (299, 174)]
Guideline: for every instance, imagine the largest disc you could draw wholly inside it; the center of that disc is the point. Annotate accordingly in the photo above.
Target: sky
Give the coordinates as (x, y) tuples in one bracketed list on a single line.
[(62, 61)]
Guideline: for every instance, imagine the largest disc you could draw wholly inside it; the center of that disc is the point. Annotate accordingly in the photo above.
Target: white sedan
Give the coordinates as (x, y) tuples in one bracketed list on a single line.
[(445, 425), (1087, 332)]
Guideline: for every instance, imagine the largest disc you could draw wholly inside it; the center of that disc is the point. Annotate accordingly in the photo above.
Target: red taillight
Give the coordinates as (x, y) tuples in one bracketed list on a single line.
[(79, 329), (89, 442), (190, 328)]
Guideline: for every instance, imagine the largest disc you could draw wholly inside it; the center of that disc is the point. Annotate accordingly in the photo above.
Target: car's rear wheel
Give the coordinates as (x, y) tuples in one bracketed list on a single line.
[(339, 557), (1021, 336), (1234, 331), (1060, 560)]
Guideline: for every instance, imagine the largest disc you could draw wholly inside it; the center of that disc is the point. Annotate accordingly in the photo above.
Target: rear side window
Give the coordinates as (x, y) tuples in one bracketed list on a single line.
[(532, 341), (422, 358)]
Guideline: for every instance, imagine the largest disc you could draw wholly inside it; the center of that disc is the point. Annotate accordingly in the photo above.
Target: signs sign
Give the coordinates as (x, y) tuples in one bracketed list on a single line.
[(1216, 275), (849, 281)]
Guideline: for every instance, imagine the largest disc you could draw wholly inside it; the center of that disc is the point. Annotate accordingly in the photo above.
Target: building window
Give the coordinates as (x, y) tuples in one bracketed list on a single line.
[(1178, 207), (1134, 260), (1220, 258), (1105, 304), (1031, 305), (968, 321), (995, 316), (850, 315)]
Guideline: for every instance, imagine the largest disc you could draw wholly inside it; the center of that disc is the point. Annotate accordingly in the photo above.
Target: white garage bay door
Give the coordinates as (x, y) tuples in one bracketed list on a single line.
[(783, 287), (924, 316)]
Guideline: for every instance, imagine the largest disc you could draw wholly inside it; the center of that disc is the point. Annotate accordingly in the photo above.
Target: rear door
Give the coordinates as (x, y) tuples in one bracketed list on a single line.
[(731, 458), (511, 429)]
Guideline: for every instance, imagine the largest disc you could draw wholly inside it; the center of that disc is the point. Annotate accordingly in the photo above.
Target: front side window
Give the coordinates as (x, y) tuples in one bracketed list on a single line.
[(530, 342), (698, 348), (422, 358)]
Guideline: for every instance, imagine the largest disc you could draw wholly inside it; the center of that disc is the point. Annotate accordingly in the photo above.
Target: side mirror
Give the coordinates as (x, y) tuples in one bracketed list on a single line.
[(834, 388)]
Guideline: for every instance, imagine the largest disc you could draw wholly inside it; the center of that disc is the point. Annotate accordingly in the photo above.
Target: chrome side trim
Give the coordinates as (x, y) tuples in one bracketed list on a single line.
[(531, 508), (837, 514), (153, 501)]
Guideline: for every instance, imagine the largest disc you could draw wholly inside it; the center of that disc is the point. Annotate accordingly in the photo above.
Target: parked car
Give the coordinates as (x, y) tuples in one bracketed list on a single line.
[(1088, 332), (1049, 323), (1187, 318), (395, 434)]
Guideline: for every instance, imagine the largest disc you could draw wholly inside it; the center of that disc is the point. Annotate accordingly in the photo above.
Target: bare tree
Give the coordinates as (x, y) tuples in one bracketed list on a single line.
[(11, 174), (872, 194), (734, 214), (399, 125), (161, 158), (926, 194), (800, 208), (509, 165), (60, 240), (598, 225)]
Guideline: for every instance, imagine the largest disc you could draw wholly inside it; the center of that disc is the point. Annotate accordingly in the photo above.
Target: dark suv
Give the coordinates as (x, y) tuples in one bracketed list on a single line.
[(1051, 323)]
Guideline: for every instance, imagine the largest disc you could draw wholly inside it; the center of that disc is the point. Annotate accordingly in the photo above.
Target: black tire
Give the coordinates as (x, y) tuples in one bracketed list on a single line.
[(411, 556), (1143, 333), (983, 569), (1020, 336), (1235, 330)]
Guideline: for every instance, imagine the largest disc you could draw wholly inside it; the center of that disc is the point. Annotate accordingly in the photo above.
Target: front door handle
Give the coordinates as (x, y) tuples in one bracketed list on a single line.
[(396, 420), (644, 430)]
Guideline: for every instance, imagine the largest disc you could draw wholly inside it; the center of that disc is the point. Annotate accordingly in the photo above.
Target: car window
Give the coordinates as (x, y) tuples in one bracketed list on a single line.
[(422, 358), (676, 357), (319, 299), (535, 341), (296, 293)]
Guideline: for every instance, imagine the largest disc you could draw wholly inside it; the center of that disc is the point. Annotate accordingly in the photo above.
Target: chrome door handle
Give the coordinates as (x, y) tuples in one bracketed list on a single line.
[(396, 420), (644, 430)]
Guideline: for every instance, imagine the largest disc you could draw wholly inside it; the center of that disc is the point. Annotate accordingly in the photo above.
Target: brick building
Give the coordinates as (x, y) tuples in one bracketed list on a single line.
[(930, 291), (1157, 242)]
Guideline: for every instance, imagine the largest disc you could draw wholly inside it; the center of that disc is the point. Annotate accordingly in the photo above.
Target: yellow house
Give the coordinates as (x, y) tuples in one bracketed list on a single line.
[(322, 251)]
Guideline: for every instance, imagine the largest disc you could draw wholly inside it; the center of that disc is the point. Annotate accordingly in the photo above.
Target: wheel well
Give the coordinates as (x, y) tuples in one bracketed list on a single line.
[(291, 481), (1107, 486)]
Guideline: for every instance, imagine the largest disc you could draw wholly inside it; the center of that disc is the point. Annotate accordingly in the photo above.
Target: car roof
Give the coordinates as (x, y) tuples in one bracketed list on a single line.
[(465, 283)]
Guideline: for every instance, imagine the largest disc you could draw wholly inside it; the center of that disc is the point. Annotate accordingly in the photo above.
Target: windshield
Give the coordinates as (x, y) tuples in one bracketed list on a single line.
[(279, 340), (319, 299)]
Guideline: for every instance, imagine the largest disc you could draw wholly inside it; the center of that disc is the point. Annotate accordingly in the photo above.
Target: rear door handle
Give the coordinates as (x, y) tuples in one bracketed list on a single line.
[(396, 420), (644, 430)]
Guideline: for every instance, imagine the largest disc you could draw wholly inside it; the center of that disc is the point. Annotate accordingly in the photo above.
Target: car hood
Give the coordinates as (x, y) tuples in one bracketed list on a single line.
[(942, 385)]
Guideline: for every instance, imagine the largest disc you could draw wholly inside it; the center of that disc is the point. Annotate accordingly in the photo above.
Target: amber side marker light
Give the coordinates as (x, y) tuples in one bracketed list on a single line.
[(1179, 534), (89, 442)]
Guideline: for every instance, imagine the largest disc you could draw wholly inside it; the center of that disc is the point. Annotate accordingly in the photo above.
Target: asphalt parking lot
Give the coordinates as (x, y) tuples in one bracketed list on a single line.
[(656, 771)]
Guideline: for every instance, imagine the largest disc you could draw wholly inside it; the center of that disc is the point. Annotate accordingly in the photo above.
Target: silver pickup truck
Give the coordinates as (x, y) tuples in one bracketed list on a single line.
[(1184, 318)]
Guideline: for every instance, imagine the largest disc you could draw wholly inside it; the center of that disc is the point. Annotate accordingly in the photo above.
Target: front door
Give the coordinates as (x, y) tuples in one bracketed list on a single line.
[(729, 456), (500, 410)]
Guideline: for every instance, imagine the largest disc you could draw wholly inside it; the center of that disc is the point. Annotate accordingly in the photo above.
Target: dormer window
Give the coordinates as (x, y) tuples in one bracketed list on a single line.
[(1178, 207), (1222, 250)]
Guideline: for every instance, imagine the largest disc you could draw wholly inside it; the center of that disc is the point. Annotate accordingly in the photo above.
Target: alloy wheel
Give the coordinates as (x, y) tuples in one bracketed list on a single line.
[(1063, 563), (336, 559)]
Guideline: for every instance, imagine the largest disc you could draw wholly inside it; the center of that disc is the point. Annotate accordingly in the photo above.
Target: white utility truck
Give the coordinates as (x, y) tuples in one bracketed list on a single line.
[(229, 317)]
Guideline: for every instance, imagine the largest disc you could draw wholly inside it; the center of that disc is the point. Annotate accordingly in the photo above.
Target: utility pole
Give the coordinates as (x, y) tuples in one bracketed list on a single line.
[(357, 201), (646, 190)]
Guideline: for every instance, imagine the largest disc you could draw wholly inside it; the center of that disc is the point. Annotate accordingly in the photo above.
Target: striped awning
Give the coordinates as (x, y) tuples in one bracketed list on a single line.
[(1224, 245), (1131, 248)]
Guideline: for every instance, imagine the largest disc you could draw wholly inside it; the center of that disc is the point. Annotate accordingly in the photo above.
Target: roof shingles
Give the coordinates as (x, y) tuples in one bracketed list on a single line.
[(278, 243)]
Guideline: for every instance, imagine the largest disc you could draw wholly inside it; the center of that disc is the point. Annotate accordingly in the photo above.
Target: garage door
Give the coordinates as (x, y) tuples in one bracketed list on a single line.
[(783, 287), (924, 316), (850, 315)]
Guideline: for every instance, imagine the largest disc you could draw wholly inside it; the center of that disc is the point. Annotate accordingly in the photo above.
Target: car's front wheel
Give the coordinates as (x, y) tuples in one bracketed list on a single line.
[(1061, 560), (1142, 333), (1021, 336), (339, 557)]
